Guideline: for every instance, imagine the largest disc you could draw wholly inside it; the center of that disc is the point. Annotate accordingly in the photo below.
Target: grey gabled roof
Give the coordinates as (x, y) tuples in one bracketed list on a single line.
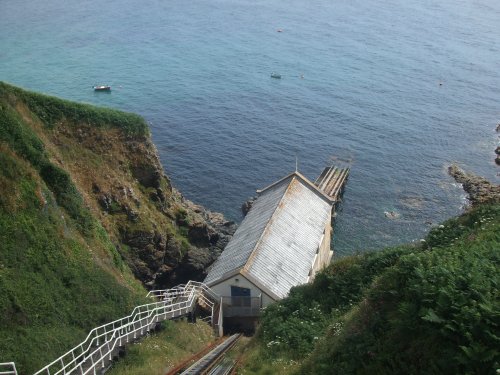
[(277, 241)]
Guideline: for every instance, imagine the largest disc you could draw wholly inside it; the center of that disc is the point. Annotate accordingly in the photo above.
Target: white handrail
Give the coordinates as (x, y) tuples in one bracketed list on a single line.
[(150, 319), (175, 302), (93, 338), (8, 368)]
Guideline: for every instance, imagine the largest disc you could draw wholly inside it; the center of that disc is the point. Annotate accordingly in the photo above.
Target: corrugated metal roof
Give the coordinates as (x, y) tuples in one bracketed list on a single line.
[(277, 241), (244, 240)]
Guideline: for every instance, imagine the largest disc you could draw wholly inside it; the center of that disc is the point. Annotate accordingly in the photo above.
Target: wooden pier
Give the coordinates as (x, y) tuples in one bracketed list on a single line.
[(332, 181)]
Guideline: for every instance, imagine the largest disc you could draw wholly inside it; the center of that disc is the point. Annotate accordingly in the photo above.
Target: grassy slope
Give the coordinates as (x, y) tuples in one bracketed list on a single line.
[(156, 354), (60, 275), (427, 309)]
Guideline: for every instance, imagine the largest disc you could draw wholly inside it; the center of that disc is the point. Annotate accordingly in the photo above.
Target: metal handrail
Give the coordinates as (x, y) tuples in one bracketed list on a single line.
[(8, 368), (150, 319), (178, 300), (161, 292), (158, 293), (93, 338)]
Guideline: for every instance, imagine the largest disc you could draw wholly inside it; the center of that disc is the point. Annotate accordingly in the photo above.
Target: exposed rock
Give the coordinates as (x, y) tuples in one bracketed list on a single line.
[(202, 235), (110, 204), (478, 188), (192, 267), (392, 215), (147, 175), (132, 215), (497, 159), (245, 207), (161, 260), (163, 237)]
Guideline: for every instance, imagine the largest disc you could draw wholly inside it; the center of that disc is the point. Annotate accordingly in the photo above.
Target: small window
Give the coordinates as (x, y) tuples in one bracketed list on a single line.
[(237, 291), (240, 296)]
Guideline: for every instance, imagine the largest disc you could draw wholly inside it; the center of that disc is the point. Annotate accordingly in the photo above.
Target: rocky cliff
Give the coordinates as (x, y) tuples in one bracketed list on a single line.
[(164, 238)]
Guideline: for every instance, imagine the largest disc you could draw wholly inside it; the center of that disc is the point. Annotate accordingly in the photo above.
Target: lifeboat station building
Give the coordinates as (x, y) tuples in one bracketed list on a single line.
[(283, 241)]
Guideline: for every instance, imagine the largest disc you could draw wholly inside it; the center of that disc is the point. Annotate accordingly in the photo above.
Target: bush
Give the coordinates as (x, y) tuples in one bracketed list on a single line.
[(67, 196), (291, 327), (433, 312)]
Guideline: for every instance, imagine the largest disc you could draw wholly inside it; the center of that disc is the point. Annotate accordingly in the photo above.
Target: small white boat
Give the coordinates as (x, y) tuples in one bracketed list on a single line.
[(102, 88)]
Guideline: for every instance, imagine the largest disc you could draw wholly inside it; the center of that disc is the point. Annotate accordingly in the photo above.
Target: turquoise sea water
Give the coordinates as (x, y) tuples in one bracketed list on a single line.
[(199, 72)]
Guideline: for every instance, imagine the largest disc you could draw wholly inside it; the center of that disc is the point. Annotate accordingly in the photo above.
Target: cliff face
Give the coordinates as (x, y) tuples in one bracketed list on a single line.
[(164, 238), (109, 156), (84, 207)]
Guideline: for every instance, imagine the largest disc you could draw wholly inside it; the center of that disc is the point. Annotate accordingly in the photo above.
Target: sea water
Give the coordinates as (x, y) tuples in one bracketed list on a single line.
[(397, 89)]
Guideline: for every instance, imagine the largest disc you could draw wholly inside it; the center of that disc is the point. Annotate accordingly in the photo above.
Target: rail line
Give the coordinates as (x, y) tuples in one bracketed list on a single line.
[(212, 363)]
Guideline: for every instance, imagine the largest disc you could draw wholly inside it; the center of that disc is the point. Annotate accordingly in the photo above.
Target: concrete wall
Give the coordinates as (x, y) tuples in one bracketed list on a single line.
[(324, 253), (223, 288)]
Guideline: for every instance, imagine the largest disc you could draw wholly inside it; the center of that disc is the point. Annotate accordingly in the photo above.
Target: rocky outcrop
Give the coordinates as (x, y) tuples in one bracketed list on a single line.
[(245, 207), (163, 255), (478, 188), (164, 238), (497, 159)]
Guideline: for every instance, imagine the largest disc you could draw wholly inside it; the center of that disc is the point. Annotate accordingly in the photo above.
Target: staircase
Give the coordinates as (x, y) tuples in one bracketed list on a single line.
[(96, 352), (208, 300)]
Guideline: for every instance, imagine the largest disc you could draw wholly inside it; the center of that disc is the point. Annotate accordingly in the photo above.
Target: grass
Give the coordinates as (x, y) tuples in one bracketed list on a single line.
[(25, 143), (255, 361), (60, 275), (159, 352)]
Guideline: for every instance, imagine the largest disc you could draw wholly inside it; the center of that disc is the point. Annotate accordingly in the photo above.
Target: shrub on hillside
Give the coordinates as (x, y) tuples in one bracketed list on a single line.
[(434, 312), (293, 325)]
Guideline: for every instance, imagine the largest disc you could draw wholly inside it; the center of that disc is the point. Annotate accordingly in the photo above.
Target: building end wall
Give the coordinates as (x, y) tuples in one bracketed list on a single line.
[(223, 288)]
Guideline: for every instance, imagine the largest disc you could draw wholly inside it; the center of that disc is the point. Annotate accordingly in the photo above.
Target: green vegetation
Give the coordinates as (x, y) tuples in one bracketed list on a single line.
[(154, 355), (23, 141), (51, 111), (432, 308), (60, 275)]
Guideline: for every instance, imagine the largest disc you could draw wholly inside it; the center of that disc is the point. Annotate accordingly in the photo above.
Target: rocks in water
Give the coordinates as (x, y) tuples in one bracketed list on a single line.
[(478, 188), (497, 159), (412, 201), (245, 207), (392, 215)]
